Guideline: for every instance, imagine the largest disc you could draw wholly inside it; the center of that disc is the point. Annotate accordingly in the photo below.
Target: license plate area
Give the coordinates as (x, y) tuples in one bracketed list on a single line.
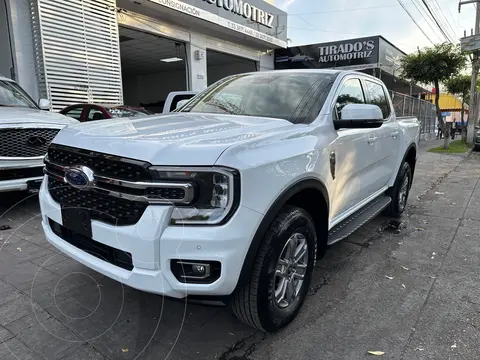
[(77, 220)]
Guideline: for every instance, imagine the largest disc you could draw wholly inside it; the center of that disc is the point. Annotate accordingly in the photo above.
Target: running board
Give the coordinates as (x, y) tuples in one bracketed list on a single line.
[(358, 219)]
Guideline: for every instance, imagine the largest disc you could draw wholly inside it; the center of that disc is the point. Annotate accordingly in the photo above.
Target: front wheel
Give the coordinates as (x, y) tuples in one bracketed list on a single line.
[(400, 191), (282, 273)]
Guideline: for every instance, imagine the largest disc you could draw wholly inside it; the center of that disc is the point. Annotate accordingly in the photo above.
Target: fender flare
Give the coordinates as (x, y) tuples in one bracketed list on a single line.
[(269, 217), (410, 147)]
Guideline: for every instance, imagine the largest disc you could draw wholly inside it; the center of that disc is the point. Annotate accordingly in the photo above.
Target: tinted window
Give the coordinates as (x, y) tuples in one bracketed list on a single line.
[(351, 93), (95, 114), (281, 95), (75, 113), (378, 97)]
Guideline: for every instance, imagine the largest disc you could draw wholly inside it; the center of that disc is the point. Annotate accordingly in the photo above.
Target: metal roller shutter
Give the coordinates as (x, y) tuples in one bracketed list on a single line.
[(77, 51)]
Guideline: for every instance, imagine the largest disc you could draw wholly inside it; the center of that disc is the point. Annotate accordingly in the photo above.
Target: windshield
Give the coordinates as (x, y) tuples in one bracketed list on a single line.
[(11, 94), (123, 112), (281, 95)]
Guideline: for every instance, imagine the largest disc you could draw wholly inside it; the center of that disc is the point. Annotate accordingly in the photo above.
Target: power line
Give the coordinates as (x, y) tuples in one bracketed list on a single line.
[(444, 21), (415, 22), (425, 17), (435, 2), (436, 21)]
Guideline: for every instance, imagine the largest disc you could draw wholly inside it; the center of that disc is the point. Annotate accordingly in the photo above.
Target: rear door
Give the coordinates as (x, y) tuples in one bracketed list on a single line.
[(386, 139)]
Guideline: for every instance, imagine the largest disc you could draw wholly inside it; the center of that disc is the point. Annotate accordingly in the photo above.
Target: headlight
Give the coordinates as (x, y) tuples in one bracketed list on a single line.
[(215, 193)]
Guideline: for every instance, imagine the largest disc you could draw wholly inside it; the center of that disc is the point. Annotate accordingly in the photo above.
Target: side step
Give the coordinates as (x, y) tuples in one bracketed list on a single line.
[(358, 219)]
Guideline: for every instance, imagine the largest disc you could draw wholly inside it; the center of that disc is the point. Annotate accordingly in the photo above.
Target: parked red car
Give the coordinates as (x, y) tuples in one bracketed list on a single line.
[(91, 112)]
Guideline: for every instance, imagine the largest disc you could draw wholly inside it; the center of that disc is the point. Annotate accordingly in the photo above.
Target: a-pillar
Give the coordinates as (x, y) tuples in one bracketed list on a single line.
[(197, 63)]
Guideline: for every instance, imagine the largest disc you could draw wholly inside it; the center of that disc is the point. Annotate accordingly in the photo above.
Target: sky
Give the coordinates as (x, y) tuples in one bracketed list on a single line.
[(314, 21)]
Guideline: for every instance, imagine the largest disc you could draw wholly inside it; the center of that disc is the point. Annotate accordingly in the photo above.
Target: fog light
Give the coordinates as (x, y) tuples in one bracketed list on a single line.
[(191, 271)]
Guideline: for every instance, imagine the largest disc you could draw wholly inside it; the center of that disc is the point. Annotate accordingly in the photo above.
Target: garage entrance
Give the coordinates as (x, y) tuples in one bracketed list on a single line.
[(220, 65), (152, 67)]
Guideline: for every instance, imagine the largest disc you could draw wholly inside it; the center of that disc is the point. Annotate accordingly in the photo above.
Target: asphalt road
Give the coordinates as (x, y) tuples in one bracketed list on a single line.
[(52, 307)]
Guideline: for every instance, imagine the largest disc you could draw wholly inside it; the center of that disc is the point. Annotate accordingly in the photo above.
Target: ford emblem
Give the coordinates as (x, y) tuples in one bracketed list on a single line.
[(79, 177)]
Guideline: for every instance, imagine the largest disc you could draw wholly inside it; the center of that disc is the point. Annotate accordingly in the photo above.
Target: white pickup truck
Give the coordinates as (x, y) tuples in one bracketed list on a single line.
[(236, 194), (26, 130)]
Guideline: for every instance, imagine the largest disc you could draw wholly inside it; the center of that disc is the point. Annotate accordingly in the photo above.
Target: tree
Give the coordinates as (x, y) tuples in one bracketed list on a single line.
[(460, 85), (433, 66)]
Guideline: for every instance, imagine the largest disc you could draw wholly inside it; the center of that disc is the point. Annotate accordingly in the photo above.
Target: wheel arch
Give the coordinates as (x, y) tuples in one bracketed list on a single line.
[(410, 157), (309, 191)]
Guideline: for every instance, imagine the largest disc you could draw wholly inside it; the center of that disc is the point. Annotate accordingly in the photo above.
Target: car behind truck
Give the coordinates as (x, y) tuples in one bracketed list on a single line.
[(236, 194)]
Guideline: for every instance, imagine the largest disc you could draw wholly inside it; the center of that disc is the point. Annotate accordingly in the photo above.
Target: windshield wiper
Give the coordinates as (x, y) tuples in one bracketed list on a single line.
[(226, 106)]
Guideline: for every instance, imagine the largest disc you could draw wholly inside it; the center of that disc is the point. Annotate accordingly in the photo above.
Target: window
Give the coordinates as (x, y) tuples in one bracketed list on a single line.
[(12, 95), (378, 97), (351, 93), (280, 95), (75, 113), (95, 114)]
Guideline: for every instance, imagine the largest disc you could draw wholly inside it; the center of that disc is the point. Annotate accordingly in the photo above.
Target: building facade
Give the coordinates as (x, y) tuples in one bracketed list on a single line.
[(133, 51)]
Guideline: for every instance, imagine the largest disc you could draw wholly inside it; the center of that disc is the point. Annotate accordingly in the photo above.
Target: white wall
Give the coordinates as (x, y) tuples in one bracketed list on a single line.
[(5, 53), (218, 72), (22, 39), (151, 88)]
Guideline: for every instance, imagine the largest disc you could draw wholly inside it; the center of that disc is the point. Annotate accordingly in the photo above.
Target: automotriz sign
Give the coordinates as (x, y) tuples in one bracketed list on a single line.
[(360, 53), (243, 8), (346, 51)]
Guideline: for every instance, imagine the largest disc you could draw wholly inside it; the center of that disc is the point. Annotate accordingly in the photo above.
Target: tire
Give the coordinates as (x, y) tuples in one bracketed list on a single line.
[(398, 192), (255, 303)]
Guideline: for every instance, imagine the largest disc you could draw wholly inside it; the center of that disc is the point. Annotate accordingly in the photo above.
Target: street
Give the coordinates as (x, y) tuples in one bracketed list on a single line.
[(407, 288)]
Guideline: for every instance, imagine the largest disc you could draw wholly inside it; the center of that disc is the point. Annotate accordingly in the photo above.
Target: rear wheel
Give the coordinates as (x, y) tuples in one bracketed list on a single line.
[(400, 191), (281, 274)]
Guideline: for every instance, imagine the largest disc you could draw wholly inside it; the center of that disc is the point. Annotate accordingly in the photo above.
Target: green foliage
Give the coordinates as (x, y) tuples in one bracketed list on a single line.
[(435, 64), (459, 85)]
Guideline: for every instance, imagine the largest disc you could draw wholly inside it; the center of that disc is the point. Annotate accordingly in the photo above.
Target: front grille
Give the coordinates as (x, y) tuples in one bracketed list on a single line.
[(25, 142), (101, 164), (102, 207), (104, 252), (13, 174)]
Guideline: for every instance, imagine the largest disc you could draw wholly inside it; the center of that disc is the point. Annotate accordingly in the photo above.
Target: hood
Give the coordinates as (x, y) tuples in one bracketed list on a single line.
[(19, 115), (175, 139)]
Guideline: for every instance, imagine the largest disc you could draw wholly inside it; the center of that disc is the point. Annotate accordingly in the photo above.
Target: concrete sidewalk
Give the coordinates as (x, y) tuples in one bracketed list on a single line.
[(412, 293)]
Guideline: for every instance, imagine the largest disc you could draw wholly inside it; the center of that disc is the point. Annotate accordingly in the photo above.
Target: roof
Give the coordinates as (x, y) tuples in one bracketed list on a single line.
[(447, 102)]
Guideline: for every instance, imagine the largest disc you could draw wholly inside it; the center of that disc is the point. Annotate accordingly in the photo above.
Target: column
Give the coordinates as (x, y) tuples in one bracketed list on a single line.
[(197, 63)]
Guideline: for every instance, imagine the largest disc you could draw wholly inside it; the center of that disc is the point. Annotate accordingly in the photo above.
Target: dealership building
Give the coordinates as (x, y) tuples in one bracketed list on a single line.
[(134, 51), (372, 55)]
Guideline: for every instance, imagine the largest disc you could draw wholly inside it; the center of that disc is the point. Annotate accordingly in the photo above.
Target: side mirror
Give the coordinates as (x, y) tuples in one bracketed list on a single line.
[(360, 116), (44, 104), (181, 103)]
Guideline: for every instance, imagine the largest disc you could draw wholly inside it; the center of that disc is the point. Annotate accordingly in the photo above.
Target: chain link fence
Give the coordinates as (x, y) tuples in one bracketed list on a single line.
[(425, 111)]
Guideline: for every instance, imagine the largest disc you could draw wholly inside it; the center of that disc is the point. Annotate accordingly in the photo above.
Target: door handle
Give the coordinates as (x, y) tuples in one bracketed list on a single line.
[(395, 134), (372, 140)]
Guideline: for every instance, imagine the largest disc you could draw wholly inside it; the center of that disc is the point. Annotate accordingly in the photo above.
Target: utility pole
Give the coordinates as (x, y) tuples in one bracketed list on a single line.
[(472, 114)]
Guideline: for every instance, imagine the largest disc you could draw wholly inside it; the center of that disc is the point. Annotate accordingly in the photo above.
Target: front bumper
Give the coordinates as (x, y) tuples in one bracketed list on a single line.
[(16, 174), (153, 244)]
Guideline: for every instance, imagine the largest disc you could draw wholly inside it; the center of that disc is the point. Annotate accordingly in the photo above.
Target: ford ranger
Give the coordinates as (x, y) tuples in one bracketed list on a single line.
[(26, 130), (235, 194)]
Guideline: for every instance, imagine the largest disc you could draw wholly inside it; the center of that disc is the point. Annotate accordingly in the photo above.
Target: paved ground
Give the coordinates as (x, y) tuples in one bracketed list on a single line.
[(51, 307)]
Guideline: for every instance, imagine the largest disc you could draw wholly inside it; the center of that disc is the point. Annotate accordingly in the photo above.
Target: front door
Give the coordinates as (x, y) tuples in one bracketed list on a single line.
[(353, 155)]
